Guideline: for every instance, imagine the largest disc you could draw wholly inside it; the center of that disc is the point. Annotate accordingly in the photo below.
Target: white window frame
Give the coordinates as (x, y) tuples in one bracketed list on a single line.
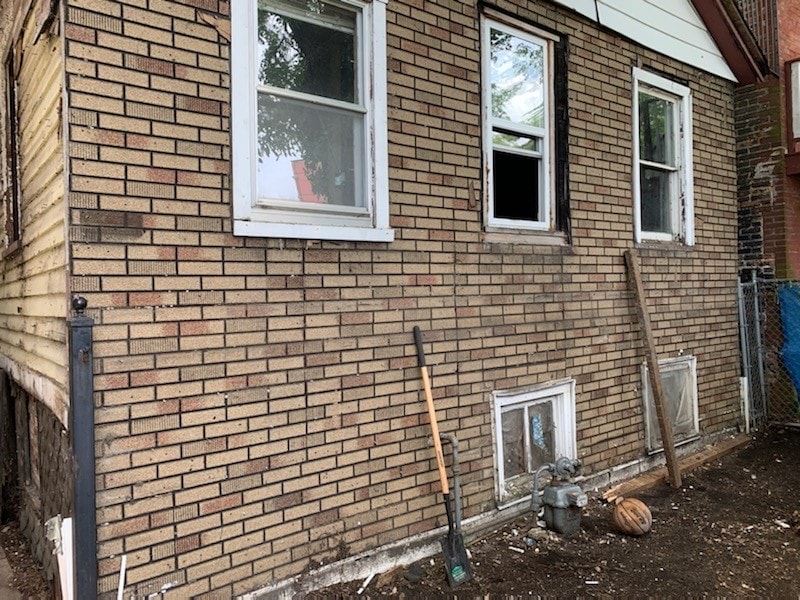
[(665, 365), (682, 202), (493, 20), (340, 223), (562, 394)]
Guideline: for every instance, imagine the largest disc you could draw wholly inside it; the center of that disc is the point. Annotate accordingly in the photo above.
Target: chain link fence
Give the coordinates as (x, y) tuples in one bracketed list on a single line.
[(769, 311)]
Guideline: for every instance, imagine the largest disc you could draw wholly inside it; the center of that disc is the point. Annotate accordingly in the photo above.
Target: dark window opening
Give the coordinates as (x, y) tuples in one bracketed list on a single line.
[(516, 186)]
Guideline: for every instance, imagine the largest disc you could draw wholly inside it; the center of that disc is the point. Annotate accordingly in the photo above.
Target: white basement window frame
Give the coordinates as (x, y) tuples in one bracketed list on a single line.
[(679, 381), (264, 203), (532, 401), (669, 218)]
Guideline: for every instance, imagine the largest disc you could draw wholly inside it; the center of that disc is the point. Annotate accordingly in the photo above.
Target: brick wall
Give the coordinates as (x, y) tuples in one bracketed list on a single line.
[(762, 18), (759, 155), (259, 407), (769, 199), (43, 477), (789, 49)]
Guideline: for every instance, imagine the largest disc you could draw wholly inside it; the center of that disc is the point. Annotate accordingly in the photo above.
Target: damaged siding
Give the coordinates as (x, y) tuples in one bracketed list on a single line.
[(33, 277)]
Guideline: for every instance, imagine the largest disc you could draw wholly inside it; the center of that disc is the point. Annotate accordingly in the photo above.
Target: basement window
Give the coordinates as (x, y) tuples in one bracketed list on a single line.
[(532, 427), (679, 381)]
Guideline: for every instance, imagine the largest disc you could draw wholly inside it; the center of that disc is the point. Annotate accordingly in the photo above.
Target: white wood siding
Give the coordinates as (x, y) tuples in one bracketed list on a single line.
[(671, 27), (33, 289)]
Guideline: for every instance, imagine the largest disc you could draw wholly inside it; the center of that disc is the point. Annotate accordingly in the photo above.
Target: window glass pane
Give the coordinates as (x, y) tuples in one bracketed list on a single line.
[(513, 425), (309, 153), (542, 443), (517, 188), (515, 142), (679, 397), (308, 46), (656, 190), (677, 389), (656, 129), (516, 77)]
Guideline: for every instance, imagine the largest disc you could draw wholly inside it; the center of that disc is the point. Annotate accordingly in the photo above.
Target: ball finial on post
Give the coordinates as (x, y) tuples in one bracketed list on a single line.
[(79, 304)]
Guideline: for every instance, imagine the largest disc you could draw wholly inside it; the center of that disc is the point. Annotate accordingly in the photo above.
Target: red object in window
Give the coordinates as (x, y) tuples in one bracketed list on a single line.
[(305, 192)]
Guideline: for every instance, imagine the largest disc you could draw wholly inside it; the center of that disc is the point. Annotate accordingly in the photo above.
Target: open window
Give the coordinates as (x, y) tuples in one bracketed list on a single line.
[(532, 427), (309, 136), (662, 175), (524, 126), (679, 381)]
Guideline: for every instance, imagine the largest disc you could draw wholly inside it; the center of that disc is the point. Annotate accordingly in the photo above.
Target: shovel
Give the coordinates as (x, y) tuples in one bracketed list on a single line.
[(455, 555)]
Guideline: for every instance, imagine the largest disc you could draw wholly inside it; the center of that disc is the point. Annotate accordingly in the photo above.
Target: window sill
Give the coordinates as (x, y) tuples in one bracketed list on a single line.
[(12, 249), (494, 235), (311, 232), (671, 245), (693, 437)]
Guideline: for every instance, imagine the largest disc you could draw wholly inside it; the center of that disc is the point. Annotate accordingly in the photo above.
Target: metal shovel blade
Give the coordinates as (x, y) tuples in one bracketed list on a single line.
[(455, 559)]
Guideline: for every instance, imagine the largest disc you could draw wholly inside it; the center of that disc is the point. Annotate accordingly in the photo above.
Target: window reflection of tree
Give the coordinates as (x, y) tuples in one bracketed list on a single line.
[(309, 57), (654, 139), (527, 66)]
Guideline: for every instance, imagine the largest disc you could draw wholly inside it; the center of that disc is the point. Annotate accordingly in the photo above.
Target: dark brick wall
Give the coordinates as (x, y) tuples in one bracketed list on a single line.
[(762, 17), (45, 486), (759, 156), (8, 452)]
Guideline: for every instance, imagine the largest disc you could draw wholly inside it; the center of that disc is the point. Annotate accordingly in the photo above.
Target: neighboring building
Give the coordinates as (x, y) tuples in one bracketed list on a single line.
[(768, 156), (259, 201)]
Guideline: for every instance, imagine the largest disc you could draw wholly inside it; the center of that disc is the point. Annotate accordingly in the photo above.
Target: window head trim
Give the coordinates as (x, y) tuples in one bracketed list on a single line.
[(682, 201)]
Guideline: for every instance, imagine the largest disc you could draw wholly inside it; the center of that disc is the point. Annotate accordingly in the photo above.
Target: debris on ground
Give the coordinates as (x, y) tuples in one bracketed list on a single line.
[(723, 533)]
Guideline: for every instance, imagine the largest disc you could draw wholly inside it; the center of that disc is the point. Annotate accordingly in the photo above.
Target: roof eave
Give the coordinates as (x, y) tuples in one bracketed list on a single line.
[(735, 40)]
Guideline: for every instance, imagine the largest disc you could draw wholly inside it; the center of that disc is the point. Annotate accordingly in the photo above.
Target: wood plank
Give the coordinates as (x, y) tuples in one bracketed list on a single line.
[(687, 464), (654, 373)]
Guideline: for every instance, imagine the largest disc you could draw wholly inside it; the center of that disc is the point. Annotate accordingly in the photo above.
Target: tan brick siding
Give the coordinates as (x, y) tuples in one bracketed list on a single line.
[(259, 401)]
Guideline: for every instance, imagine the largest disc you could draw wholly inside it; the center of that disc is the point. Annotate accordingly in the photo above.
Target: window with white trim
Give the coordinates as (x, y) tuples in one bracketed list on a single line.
[(531, 427), (518, 89), (662, 174), (308, 122), (679, 382)]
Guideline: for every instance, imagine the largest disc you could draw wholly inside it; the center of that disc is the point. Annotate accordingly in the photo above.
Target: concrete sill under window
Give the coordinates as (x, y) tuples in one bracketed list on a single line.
[(543, 238), (663, 245)]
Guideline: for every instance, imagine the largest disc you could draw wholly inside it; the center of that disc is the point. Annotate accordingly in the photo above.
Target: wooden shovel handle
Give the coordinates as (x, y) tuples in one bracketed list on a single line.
[(426, 382)]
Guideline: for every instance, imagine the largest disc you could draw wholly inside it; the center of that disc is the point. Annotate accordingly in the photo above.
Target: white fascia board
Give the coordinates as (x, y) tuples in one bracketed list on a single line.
[(585, 7)]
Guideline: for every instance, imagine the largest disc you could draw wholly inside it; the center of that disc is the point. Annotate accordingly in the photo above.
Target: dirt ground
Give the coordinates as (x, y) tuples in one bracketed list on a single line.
[(732, 530), (28, 578)]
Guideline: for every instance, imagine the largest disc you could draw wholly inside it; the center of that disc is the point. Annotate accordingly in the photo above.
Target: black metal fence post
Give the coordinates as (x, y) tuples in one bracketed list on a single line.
[(81, 384)]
